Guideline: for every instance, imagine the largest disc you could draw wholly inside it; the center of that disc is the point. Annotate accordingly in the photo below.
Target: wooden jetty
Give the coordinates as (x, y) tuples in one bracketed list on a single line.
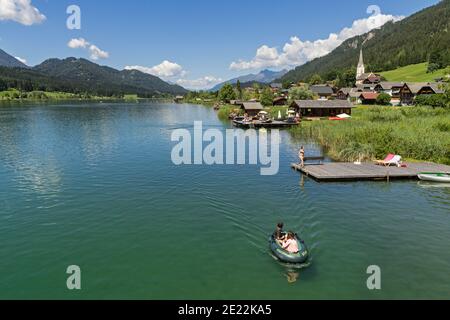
[(339, 171)]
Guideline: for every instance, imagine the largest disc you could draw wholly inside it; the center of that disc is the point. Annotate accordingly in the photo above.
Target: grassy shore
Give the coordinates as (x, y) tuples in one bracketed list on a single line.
[(415, 133), (15, 95), (226, 110)]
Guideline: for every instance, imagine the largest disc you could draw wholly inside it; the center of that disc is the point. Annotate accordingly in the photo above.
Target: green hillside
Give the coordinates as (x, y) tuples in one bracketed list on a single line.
[(80, 76), (413, 73), (412, 40)]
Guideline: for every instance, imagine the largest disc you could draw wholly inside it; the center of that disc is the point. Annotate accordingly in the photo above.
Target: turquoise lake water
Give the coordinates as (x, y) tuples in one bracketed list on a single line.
[(93, 185)]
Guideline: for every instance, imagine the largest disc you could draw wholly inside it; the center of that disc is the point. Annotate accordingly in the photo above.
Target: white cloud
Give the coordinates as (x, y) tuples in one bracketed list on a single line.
[(205, 82), (165, 70), (21, 11), (24, 61), (95, 52), (175, 73), (297, 52), (78, 43)]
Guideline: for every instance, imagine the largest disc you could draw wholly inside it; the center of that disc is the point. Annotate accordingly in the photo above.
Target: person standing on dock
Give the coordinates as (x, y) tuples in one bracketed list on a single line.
[(301, 155)]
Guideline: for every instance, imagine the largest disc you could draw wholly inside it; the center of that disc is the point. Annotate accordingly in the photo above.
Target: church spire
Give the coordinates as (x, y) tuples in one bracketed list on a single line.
[(361, 69), (361, 59)]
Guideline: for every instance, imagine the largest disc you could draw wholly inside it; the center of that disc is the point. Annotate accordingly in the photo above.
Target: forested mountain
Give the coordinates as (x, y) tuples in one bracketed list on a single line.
[(7, 60), (91, 75), (265, 76), (421, 37), (82, 76)]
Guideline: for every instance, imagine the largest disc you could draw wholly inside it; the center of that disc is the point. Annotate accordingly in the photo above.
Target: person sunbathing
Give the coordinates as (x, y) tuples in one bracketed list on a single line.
[(290, 244)]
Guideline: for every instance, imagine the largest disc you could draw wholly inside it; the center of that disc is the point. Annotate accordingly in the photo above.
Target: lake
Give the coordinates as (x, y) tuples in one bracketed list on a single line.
[(93, 185)]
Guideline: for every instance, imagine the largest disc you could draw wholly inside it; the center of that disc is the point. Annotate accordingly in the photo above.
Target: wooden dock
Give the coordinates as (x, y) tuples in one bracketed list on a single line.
[(339, 171)]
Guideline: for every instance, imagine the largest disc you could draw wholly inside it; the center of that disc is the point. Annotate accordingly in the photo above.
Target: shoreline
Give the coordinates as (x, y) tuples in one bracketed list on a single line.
[(406, 131)]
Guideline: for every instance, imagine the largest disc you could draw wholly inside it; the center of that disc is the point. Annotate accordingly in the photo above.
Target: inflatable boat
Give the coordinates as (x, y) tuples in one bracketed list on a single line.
[(284, 256)]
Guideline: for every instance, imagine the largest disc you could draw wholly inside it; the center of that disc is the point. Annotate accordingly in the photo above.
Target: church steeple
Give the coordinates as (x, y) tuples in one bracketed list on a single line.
[(361, 59), (361, 69)]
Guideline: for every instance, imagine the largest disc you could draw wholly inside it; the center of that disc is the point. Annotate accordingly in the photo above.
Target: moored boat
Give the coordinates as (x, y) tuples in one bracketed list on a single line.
[(435, 176)]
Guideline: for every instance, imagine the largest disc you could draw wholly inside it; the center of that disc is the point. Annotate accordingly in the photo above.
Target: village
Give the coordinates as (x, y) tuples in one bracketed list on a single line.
[(326, 100), (374, 106)]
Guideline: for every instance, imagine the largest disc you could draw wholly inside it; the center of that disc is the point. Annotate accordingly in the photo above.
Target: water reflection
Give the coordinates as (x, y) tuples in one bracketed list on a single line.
[(432, 185), (292, 276), (23, 151)]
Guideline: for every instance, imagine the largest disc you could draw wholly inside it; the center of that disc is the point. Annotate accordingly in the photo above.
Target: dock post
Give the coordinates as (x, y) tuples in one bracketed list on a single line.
[(388, 176)]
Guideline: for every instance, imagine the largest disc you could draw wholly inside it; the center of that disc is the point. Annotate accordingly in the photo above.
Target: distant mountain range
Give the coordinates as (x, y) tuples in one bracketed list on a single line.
[(409, 41), (265, 76), (7, 60), (81, 76)]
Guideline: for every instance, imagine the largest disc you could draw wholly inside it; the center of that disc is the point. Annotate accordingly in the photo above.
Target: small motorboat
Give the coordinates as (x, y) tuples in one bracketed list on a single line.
[(435, 176), (286, 257)]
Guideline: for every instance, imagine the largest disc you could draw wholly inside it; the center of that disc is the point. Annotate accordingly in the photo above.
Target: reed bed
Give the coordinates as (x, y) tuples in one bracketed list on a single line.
[(415, 133)]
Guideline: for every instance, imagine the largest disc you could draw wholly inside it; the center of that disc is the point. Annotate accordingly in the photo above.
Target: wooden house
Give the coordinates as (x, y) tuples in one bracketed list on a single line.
[(411, 90), (276, 87), (252, 108), (390, 88), (343, 93), (368, 78), (321, 108), (368, 97), (280, 101), (178, 99), (323, 91)]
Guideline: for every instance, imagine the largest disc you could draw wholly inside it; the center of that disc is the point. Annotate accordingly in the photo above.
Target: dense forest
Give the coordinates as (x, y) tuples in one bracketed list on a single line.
[(422, 37), (81, 76)]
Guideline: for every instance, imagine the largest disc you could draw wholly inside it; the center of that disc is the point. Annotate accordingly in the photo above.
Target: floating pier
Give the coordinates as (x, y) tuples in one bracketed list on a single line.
[(340, 171)]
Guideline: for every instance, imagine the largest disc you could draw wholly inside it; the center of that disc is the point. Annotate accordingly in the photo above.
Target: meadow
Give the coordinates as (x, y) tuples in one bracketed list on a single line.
[(413, 73)]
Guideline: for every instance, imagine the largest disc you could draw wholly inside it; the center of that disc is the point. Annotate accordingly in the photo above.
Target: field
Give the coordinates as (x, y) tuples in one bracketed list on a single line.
[(415, 133), (413, 73)]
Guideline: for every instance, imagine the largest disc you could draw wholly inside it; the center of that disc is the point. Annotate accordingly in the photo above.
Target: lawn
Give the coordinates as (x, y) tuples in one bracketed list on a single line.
[(413, 73)]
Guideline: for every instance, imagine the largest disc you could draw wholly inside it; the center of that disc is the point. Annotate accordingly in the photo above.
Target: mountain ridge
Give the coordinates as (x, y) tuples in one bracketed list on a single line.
[(79, 75), (264, 76), (7, 60)]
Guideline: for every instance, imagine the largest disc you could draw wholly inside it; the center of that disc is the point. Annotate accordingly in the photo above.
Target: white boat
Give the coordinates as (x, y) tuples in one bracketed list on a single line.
[(435, 176)]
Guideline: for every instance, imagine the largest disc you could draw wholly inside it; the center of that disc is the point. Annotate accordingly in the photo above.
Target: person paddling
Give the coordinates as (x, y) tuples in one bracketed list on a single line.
[(278, 234)]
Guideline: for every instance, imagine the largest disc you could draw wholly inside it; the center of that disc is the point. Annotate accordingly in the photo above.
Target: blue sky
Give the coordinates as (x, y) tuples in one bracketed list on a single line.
[(201, 42)]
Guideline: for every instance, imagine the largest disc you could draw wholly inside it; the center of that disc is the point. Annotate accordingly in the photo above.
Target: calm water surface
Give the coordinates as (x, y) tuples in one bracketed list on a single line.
[(94, 185)]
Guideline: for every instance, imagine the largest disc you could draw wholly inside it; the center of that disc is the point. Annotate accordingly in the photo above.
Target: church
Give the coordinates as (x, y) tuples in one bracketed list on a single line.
[(365, 78)]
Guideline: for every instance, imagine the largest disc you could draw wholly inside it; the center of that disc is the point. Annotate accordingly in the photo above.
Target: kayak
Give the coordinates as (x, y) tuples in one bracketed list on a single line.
[(434, 176), (284, 256)]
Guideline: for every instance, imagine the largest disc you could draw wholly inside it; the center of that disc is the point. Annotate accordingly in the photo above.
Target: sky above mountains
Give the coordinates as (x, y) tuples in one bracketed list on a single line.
[(195, 43)]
